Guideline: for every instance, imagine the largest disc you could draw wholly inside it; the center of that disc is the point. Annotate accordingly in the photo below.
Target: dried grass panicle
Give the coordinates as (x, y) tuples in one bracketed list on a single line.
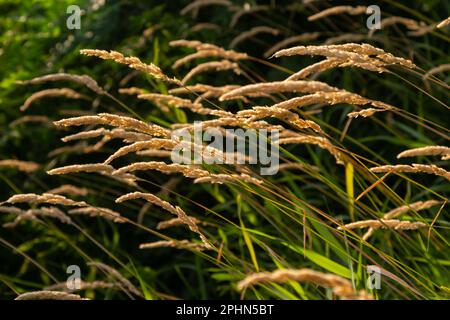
[(115, 121), (364, 113), (173, 222), (251, 33), (98, 212), (224, 178), (338, 10), (11, 210), (84, 285), (26, 166), (132, 62), (246, 9), (331, 98), (155, 153), (162, 99), (127, 136), (132, 91), (195, 5), (291, 40), (408, 23), (125, 283), (205, 26), (154, 143), (34, 214), (277, 87), (43, 119), (437, 69), (49, 295), (204, 88), (90, 167), (443, 23), (178, 244), (80, 79), (340, 286), (187, 170), (425, 151), (175, 210), (384, 223), (416, 206), (414, 168), (291, 118), (350, 53), (330, 63), (346, 37), (205, 50), (70, 190), (45, 198), (58, 92), (212, 66), (322, 142)]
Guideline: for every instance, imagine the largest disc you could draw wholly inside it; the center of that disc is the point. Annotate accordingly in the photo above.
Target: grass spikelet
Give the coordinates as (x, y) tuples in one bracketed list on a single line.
[(291, 40), (110, 134), (217, 53), (115, 121), (80, 79), (175, 210), (125, 283), (49, 295), (212, 66), (154, 143), (70, 190), (44, 198), (425, 151), (251, 33), (351, 53), (98, 212), (84, 285), (438, 69), (33, 214), (416, 206), (91, 167), (414, 168), (161, 99), (132, 62), (341, 286), (224, 178), (364, 113), (59, 92), (384, 223), (187, 171), (194, 5), (43, 119), (277, 87), (443, 23), (285, 115), (26, 166), (178, 244), (174, 222), (132, 91), (322, 142), (338, 10), (247, 9), (330, 98)]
